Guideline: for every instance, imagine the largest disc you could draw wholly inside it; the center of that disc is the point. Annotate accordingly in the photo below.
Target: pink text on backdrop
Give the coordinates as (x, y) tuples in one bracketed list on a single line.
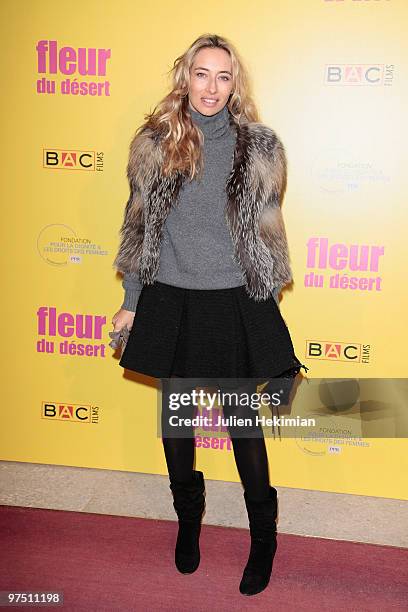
[(68, 60), (69, 325), (347, 258), (76, 327)]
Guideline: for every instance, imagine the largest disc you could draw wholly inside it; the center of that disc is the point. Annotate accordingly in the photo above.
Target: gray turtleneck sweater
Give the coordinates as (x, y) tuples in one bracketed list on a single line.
[(197, 250)]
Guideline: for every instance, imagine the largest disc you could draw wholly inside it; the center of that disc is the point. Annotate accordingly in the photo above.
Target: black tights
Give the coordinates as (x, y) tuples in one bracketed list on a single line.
[(250, 456)]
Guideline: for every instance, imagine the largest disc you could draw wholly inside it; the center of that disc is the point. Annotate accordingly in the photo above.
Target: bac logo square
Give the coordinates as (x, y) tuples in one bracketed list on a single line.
[(334, 351), (58, 411), (66, 159)]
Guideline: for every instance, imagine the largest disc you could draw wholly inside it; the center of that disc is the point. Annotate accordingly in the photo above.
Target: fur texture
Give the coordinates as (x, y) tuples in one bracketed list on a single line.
[(254, 189)]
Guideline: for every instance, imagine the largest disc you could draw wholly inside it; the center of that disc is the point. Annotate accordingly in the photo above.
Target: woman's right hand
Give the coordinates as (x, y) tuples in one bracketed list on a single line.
[(122, 318)]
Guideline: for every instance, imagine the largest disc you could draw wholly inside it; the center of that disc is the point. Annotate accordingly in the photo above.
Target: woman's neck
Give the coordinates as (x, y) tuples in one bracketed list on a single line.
[(212, 126)]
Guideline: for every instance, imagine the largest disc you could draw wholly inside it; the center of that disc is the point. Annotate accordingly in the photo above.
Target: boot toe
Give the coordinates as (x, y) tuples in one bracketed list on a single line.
[(187, 564), (251, 584)]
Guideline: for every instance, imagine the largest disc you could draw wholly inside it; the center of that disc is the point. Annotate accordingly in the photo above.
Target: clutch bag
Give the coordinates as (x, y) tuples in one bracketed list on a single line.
[(119, 339)]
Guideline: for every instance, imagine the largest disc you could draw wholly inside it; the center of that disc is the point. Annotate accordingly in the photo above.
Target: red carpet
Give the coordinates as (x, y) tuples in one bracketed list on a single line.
[(104, 562)]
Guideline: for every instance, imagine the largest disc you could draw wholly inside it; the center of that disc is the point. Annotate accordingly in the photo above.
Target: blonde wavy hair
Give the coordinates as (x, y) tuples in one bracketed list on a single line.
[(181, 140)]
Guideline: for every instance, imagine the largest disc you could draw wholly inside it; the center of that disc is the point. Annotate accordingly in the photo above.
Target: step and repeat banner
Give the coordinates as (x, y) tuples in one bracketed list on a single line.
[(329, 77)]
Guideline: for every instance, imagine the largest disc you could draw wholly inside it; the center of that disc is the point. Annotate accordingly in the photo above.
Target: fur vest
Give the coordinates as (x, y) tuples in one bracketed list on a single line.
[(254, 188)]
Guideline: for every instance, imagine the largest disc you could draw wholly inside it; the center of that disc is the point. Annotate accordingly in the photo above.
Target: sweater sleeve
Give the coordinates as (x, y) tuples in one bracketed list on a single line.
[(132, 287)]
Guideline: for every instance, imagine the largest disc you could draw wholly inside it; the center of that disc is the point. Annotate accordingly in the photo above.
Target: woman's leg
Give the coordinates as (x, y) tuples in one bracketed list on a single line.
[(179, 451), (249, 449), (252, 464), (186, 484), (260, 498)]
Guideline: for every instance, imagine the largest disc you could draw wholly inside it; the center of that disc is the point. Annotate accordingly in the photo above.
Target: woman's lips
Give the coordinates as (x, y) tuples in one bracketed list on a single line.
[(209, 101)]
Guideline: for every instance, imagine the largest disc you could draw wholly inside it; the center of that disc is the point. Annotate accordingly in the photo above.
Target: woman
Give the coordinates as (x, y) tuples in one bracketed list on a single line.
[(204, 256)]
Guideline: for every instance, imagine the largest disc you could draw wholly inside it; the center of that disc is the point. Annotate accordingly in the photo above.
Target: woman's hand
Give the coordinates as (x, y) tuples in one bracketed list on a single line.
[(122, 318)]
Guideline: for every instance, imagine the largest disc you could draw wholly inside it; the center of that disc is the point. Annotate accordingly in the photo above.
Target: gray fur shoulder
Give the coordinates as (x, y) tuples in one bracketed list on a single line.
[(264, 138), (268, 158), (145, 158)]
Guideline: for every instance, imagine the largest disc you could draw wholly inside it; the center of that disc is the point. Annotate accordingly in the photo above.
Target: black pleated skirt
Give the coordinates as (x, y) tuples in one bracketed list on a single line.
[(200, 333)]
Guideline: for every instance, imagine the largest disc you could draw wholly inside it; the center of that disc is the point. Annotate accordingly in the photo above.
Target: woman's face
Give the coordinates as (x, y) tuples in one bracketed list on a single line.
[(210, 80)]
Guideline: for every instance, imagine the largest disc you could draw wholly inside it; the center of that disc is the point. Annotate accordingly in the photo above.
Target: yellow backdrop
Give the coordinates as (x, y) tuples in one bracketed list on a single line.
[(327, 76)]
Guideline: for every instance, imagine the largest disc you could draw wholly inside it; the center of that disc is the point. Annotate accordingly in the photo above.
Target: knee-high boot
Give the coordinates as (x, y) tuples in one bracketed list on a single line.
[(189, 504), (262, 525)]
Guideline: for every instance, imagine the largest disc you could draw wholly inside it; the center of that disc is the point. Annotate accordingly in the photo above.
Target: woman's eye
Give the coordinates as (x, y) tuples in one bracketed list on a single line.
[(226, 78)]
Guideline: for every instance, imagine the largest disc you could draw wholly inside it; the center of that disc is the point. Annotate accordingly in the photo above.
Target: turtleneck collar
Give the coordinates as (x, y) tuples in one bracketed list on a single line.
[(212, 126)]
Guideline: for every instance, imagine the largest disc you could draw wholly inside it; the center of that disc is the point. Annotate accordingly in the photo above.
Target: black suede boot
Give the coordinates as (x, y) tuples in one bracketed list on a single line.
[(262, 516), (189, 504)]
